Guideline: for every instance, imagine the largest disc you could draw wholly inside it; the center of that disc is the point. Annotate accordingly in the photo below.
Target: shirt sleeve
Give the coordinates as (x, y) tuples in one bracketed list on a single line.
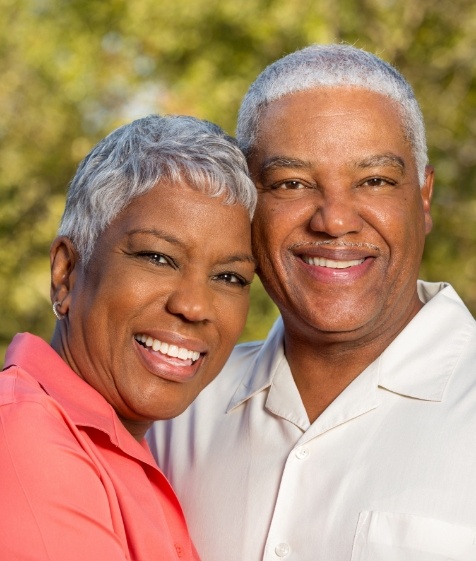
[(54, 504)]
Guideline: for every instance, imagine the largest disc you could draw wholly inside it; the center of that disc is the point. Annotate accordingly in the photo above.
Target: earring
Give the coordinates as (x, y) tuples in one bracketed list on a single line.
[(59, 316)]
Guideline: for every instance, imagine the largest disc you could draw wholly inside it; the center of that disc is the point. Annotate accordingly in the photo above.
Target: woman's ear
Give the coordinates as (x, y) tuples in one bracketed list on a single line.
[(64, 262)]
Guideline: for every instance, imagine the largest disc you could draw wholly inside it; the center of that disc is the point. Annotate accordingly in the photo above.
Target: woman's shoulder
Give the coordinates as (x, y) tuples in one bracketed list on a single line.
[(19, 386), (28, 413)]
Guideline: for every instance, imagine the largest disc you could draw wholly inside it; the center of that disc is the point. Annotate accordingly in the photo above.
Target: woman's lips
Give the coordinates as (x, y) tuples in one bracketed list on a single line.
[(167, 360), (170, 350)]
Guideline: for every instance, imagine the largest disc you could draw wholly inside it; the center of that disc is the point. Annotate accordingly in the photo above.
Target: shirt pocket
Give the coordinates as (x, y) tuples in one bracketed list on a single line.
[(388, 536)]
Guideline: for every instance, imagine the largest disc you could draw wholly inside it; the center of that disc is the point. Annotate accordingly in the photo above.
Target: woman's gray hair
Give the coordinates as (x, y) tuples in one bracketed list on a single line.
[(320, 66), (130, 161)]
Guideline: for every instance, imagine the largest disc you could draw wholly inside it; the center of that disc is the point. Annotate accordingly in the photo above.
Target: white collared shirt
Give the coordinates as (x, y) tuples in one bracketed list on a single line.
[(386, 473)]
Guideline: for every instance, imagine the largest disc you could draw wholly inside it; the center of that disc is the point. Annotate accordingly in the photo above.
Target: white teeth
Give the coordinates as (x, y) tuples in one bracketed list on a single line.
[(166, 349), (156, 345), (330, 263)]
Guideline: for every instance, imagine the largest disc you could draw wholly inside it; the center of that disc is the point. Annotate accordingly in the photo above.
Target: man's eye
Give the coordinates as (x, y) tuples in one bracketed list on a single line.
[(377, 182), (232, 278), (292, 184)]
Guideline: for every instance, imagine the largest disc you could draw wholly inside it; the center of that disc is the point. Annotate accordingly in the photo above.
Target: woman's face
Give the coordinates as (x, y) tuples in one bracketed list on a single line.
[(153, 317)]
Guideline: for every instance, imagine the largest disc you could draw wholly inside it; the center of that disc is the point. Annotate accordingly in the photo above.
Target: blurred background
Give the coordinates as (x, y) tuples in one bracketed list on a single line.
[(72, 70)]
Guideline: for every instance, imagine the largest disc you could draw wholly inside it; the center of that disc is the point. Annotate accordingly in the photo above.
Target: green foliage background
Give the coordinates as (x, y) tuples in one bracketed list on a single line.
[(72, 70)]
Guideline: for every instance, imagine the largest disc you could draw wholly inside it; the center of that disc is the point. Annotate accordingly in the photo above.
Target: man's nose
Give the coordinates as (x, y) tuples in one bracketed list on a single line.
[(336, 215)]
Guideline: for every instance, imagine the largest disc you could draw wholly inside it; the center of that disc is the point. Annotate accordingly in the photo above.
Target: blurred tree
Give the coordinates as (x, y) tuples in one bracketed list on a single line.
[(74, 69)]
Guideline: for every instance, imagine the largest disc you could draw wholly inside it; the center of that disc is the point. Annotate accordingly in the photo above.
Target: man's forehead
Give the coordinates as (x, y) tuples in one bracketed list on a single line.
[(298, 118), (328, 100), (354, 127)]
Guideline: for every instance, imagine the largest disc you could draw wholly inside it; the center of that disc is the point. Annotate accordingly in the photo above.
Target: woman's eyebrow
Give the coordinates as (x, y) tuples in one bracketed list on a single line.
[(239, 258), (159, 234)]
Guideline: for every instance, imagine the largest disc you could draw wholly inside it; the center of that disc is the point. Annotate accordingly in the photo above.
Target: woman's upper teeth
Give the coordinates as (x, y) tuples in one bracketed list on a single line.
[(331, 263), (166, 349)]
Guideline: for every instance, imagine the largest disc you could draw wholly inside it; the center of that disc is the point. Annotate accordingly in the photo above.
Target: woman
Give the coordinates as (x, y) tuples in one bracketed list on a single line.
[(150, 277)]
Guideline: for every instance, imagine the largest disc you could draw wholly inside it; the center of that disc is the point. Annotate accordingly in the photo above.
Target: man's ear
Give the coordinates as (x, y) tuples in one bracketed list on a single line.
[(64, 262), (427, 195)]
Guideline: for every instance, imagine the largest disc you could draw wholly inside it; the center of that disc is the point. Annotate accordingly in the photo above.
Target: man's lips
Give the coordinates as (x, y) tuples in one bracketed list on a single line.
[(334, 254), (331, 263)]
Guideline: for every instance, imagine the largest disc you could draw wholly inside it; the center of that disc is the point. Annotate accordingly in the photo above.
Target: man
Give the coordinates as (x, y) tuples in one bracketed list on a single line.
[(349, 434)]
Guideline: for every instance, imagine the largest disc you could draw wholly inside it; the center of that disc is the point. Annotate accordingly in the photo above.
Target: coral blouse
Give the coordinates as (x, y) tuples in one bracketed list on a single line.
[(74, 484)]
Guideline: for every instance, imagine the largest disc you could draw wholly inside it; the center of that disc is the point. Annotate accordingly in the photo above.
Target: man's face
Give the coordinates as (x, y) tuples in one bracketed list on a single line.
[(341, 220)]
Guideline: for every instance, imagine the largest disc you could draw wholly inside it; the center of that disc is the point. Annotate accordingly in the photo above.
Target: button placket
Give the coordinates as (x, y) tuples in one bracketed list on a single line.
[(302, 452), (282, 549)]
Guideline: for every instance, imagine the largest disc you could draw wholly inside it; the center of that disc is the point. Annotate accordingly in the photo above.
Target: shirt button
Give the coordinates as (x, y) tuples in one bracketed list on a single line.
[(282, 549), (302, 453)]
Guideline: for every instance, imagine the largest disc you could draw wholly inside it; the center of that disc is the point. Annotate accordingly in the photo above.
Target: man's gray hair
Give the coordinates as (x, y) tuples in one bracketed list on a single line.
[(319, 66), (131, 160)]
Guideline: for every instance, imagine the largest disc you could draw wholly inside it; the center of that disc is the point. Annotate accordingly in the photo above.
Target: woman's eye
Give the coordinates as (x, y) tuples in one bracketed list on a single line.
[(157, 258), (232, 278)]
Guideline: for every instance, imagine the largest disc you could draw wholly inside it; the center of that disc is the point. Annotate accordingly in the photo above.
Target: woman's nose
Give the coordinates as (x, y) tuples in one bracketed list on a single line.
[(193, 300)]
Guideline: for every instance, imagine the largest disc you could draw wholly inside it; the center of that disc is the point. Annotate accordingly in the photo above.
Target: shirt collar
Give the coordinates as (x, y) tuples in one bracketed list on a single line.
[(418, 363), (261, 372), (85, 406)]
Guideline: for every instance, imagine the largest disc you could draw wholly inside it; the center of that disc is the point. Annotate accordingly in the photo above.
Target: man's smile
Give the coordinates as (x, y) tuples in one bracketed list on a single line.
[(331, 263)]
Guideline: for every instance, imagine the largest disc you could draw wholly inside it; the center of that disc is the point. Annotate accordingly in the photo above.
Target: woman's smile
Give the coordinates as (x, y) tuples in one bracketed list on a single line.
[(170, 350), (167, 360)]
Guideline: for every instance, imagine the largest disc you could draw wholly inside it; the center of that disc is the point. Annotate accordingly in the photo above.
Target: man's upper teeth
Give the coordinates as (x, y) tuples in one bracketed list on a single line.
[(322, 262), (166, 349)]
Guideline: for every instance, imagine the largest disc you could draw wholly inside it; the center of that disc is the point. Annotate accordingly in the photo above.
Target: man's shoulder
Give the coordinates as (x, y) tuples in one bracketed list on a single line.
[(442, 295), (443, 312)]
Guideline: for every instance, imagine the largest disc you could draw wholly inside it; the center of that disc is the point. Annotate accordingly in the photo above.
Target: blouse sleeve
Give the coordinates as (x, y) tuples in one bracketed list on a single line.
[(53, 504)]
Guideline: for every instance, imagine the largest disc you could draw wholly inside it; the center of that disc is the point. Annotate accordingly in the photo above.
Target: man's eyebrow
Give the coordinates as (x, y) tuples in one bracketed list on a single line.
[(277, 162), (389, 160)]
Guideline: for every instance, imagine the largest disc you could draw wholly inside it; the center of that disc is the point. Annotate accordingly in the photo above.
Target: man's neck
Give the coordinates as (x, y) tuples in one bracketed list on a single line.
[(322, 375), (324, 365)]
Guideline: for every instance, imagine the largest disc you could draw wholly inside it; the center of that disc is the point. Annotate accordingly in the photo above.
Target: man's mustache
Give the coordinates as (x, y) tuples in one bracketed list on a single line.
[(335, 243)]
